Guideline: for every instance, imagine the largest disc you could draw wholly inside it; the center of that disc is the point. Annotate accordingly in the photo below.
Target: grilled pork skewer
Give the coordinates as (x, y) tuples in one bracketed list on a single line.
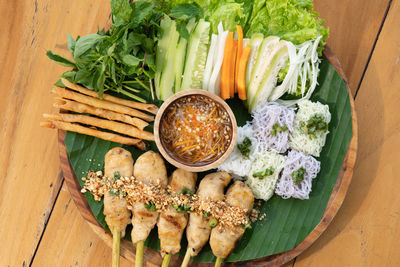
[(149, 168), (171, 223), (118, 163), (224, 239), (198, 229)]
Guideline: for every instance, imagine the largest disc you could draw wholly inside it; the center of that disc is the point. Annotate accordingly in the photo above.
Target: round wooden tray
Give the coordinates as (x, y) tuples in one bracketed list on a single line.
[(153, 258)]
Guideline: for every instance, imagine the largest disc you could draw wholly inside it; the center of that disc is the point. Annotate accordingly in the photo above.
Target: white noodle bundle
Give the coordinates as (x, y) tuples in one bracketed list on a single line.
[(302, 141), (264, 119), (296, 160), (236, 164), (263, 188)]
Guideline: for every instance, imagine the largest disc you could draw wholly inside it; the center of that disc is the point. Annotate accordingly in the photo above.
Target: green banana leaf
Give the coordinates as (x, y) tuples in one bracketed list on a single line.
[(287, 222)]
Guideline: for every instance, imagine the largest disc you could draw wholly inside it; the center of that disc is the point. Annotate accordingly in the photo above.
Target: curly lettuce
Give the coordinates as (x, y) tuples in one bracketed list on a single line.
[(292, 20)]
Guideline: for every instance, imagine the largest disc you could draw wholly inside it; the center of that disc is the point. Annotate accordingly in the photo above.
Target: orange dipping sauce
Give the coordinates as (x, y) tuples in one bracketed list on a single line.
[(195, 130)]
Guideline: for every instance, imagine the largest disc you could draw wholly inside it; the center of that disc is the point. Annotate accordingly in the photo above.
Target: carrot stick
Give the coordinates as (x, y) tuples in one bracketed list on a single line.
[(238, 54), (232, 70), (241, 78), (225, 73)]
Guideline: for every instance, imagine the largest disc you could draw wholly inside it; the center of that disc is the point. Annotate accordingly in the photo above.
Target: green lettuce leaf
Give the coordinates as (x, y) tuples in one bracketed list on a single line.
[(291, 20)]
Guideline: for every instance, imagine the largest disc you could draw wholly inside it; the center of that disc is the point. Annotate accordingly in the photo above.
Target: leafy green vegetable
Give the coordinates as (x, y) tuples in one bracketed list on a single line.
[(182, 208), (244, 147), (186, 191), (298, 176), (263, 174), (292, 20), (150, 206), (230, 14), (314, 124), (116, 176)]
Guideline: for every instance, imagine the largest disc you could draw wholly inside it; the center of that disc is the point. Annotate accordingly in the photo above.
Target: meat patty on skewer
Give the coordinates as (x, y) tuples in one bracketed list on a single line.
[(224, 239), (198, 229), (149, 168), (118, 162), (172, 223)]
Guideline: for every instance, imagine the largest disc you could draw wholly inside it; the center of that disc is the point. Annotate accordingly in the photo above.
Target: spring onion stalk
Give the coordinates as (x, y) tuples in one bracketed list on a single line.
[(186, 259), (218, 262), (115, 248), (139, 254), (166, 260)]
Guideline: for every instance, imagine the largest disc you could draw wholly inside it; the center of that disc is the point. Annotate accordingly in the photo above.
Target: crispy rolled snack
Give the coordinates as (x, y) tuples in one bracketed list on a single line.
[(104, 124), (136, 105), (65, 93), (74, 106), (72, 127)]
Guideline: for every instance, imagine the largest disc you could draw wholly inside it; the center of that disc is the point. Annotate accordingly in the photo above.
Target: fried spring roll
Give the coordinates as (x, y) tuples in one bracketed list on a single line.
[(129, 103), (72, 127), (104, 124), (104, 104), (74, 106)]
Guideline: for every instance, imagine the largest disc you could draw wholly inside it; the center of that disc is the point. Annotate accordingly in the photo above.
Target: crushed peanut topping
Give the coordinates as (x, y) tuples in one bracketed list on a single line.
[(162, 198)]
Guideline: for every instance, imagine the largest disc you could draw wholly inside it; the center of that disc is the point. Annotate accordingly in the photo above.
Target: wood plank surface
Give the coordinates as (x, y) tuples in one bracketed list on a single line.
[(68, 240), (353, 26), (366, 232), (29, 163)]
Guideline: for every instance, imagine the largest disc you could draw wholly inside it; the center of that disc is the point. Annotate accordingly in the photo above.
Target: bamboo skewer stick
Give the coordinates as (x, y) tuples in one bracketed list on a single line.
[(218, 262), (186, 259), (116, 246), (139, 254), (166, 260)]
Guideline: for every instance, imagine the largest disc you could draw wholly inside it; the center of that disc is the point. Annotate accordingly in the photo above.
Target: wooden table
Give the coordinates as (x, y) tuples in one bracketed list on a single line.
[(39, 224)]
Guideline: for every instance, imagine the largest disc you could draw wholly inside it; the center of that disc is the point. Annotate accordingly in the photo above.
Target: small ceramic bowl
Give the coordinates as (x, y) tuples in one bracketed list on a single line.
[(179, 163)]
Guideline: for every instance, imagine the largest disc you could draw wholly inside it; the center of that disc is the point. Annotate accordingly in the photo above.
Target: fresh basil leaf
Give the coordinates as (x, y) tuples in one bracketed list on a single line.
[(121, 11), (112, 70), (69, 75), (85, 43), (142, 10), (60, 60), (130, 60), (71, 43), (59, 83), (81, 74)]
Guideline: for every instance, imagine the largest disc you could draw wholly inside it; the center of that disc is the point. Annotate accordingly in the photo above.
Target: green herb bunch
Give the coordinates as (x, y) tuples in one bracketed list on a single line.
[(122, 59)]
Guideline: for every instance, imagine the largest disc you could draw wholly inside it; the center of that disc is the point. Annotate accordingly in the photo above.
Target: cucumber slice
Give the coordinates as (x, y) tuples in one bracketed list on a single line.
[(196, 56), (168, 70), (209, 64), (162, 46), (180, 56)]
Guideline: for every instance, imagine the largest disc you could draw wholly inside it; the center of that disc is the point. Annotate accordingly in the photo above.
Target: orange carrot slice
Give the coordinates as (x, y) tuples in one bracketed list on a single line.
[(241, 77), (238, 53), (226, 63), (232, 69)]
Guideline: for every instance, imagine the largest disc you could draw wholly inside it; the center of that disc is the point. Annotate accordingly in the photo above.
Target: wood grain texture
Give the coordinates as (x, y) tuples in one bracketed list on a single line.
[(366, 232), (354, 26), (153, 257), (69, 242)]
